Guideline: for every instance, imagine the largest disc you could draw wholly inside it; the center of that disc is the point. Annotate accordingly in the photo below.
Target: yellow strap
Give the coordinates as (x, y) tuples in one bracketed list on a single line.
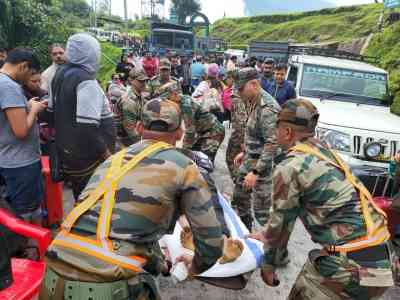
[(365, 195), (95, 196), (103, 225), (86, 204)]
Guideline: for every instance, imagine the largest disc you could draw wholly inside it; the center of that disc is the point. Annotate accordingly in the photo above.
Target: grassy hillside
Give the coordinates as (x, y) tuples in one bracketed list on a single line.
[(386, 46), (337, 24)]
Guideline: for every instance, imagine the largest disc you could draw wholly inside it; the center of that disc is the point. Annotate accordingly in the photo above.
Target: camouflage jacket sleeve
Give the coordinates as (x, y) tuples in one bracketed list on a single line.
[(130, 110), (199, 123), (239, 119), (285, 209), (197, 205), (267, 118), (188, 117), (151, 86)]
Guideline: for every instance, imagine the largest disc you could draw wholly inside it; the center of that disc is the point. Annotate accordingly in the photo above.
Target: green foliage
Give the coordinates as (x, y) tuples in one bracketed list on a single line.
[(336, 24), (38, 24), (140, 28), (110, 57), (185, 8), (386, 46)]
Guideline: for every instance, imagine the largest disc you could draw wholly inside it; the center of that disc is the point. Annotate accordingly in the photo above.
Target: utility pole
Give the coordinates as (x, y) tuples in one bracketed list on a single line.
[(95, 13), (126, 20)]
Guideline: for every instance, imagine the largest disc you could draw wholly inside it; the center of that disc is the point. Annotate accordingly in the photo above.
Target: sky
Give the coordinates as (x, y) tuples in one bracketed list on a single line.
[(214, 9)]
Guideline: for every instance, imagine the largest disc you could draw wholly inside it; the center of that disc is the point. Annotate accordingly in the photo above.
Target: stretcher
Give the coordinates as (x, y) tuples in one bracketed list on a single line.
[(248, 261)]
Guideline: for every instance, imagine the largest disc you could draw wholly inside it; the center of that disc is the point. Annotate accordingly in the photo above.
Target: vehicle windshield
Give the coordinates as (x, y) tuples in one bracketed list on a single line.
[(171, 39), (184, 41), (163, 39), (344, 85)]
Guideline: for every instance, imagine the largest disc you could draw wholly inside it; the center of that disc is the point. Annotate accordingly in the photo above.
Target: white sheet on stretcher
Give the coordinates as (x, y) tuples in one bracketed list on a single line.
[(249, 260)]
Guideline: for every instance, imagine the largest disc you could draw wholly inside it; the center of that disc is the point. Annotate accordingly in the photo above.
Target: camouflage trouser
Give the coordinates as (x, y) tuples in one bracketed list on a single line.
[(209, 146), (333, 278), (260, 196), (141, 287), (232, 151)]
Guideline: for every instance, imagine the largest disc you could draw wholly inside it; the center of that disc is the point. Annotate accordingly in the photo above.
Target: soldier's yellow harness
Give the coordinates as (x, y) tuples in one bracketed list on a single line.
[(102, 247), (376, 233)]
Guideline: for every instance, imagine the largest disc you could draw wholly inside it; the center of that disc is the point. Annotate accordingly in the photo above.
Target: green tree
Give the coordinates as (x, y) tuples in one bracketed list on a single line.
[(76, 7), (37, 24), (185, 8)]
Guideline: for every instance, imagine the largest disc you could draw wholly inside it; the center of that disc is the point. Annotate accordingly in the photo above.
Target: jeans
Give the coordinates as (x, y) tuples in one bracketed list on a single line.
[(24, 188)]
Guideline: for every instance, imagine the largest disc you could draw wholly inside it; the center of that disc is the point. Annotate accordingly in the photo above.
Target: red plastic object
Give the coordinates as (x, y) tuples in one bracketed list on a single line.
[(53, 195), (27, 275), (385, 204), (40, 234)]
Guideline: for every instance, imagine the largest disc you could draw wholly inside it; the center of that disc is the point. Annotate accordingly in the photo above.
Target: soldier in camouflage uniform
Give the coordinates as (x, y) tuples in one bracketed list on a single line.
[(320, 189), (149, 200), (128, 109), (239, 116), (203, 132), (255, 172), (163, 78)]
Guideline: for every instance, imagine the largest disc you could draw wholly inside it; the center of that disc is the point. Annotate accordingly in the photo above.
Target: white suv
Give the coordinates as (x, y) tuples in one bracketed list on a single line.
[(355, 118)]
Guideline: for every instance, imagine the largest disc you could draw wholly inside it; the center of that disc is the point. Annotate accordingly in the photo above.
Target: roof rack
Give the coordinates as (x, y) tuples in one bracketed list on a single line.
[(331, 53)]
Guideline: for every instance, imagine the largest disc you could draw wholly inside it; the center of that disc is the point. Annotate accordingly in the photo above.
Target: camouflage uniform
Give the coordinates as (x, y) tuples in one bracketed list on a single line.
[(203, 132), (128, 110), (149, 200), (239, 117), (156, 82), (329, 206), (260, 148)]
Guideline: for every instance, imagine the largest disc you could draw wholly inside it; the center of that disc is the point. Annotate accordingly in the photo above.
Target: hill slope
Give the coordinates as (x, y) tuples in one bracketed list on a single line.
[(386, 46), (333, 24)]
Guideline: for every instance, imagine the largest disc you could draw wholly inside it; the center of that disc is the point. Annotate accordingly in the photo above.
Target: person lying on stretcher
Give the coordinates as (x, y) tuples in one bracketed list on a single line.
[(233, 249)]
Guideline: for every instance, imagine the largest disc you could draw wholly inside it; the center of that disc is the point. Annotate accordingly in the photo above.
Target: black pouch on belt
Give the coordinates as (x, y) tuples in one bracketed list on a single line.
[(369, 256)]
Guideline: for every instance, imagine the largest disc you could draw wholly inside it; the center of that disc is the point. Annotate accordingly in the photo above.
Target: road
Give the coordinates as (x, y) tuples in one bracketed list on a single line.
[(299, 246)]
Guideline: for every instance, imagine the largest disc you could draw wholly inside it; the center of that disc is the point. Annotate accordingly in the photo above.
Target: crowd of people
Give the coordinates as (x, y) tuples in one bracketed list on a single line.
[(130, 182)]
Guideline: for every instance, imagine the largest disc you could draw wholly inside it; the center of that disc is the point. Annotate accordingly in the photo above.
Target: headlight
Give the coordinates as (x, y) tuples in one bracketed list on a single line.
[(335, 139), (372, 150)]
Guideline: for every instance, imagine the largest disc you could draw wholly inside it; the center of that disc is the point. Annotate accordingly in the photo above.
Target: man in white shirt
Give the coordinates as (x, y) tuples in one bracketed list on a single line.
[(57, 53)]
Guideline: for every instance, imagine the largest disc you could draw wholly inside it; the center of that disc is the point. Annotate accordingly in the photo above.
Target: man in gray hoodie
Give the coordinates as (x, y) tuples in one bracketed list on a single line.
[(82, 118)]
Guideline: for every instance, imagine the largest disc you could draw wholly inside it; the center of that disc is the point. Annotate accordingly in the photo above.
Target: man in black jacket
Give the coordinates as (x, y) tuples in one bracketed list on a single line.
[(85, 131)]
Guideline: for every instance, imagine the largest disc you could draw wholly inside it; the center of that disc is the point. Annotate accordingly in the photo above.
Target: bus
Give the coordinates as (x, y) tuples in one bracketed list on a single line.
[(167, 37)]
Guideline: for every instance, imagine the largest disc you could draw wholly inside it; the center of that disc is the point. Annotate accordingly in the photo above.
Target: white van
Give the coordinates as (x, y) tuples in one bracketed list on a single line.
[(354, 104)]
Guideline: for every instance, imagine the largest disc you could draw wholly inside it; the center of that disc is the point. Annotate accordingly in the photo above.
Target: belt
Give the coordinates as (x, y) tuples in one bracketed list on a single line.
[(117, 290), (370, 254)]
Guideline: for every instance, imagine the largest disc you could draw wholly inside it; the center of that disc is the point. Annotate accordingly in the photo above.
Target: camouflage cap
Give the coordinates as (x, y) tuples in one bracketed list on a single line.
[(244, 76), (161, 115), (138, 74), (165, 64), (299, 112), (165, 90)]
